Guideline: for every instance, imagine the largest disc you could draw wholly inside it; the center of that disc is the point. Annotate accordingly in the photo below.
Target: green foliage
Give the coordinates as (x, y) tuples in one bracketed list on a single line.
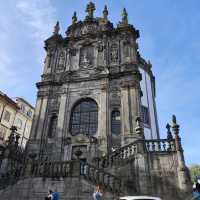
[(194, 171)]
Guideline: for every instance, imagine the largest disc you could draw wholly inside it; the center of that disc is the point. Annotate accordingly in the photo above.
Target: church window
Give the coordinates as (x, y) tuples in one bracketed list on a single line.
[(18, 123), (7, 116), (29, 113), (84, 118), (52, 126), (145, 115), (115, 122)]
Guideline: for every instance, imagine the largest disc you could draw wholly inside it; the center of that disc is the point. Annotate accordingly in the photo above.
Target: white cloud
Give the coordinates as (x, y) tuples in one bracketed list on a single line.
[(38, 15), (21, 38)]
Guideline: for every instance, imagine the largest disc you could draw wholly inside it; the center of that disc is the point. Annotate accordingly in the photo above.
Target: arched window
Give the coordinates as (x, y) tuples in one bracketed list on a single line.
[(84, 118), (115, 122), (52, 126)]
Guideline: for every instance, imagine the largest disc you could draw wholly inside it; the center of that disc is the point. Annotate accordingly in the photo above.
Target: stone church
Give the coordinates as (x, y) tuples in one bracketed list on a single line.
[(95, 120)]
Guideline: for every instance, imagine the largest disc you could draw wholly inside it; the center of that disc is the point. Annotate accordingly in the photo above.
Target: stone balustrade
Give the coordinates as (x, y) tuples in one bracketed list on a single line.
[(160, 145), (53, 169), (100, 177), (127, 153)]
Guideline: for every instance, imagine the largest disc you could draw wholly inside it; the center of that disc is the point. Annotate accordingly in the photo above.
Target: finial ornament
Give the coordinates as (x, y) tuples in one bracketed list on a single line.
[(56, 28), (74, 18), (90, 10), (139, 129), (105, 13), (174, 119), (124, 17), (169, 134)]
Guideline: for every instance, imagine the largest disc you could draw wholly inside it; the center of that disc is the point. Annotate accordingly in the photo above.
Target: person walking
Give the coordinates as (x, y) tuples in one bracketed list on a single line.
[(196, 191), (50, 195), (97, 195), (56, 195)]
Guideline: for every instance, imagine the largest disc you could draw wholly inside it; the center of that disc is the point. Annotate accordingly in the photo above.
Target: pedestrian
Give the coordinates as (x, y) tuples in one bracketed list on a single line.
[(97, 195), (196, 191), (56, 195), (50, 195)]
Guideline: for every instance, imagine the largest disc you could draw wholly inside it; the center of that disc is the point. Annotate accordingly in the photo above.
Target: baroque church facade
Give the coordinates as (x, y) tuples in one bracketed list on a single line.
[(95, 121), (94, 84)]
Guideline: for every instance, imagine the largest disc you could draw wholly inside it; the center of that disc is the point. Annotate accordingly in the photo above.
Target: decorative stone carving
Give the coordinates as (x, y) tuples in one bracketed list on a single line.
[(61, 62), (74, 18), (90, 28), (86, 57), (100, 46), (85, 93), (114, 51), (47, 60), (90, 10), (54, 104)]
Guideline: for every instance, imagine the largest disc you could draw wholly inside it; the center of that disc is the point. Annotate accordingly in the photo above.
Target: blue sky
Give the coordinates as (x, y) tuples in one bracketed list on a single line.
[(169, 38)]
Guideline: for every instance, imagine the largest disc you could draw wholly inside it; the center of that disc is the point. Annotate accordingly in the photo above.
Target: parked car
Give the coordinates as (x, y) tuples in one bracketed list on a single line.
[(139, 198)]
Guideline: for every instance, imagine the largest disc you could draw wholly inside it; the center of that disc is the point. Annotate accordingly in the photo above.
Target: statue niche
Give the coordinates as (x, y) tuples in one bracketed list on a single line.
[(114, 53), (61, 62), (87, 57), (127, 51)]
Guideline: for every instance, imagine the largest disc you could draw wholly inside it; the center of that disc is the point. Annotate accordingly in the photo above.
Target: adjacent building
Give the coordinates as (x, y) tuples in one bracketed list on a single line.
[(15, 112)]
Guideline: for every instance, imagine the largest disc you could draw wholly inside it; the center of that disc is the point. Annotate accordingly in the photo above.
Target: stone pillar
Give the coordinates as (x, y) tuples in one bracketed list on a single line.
[(183, 172), (130, 101), (135, 103), (41, 118), (60, 126), (103, 121), (36, 118), (125, 122)]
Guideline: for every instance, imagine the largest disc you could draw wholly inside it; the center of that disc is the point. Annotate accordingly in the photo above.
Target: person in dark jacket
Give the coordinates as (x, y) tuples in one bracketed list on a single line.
[(97, 195), (56, 195)]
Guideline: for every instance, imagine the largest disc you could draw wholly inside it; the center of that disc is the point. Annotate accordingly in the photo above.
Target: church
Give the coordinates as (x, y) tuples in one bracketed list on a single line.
[(95, 120)]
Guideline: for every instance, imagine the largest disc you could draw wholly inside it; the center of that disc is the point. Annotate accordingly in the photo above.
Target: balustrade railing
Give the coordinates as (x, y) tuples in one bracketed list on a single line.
[(51, 169), (126, 153), (100, 177), (160, 145)]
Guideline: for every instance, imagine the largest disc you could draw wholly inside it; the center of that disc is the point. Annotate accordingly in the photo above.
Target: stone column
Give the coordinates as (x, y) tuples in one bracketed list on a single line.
[(135, 103), (125, 113), (103, 121), (130, 101), (60, 126), (183, 172), (37, 126), (35, 119), (41, 119)]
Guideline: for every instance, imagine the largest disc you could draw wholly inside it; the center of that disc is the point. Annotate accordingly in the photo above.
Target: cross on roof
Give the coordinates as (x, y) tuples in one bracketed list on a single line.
[(90, 9)]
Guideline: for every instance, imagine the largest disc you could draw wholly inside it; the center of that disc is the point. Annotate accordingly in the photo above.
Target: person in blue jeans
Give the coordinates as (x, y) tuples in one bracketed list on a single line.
[(196, 192), (97, 195), (56, 195)]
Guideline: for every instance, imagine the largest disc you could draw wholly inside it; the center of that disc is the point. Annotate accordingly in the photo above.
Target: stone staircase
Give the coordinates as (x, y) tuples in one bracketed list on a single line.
[(46, 173)]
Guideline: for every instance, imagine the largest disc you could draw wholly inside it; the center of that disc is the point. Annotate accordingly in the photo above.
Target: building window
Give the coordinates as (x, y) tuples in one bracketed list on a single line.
[(52, 126), (115, 122), (145, 116), (84, 118), (18, 123), (22, 108), (29, 113), (2, 133), (7, 116)]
